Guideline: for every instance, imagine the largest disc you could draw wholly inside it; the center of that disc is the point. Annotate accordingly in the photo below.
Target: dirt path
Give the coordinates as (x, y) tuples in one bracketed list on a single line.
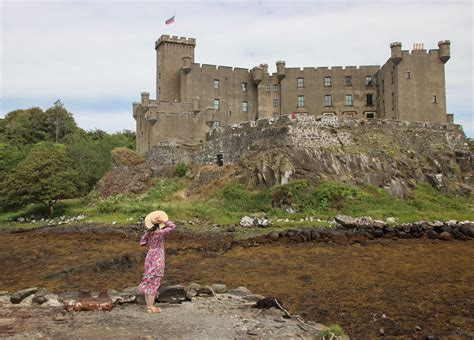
[(416, 284)]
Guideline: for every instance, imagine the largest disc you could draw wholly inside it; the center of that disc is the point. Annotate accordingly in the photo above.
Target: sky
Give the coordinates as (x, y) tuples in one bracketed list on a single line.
[(98, 56)]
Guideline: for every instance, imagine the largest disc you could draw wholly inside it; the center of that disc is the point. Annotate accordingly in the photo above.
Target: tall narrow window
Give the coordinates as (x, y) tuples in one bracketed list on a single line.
[(391, 73), (408, 75), (217, 104), (300, 82), (275, 102), (393, 101), (348, 81), (383, 85), (244, 87), (245, 107), (327, 81), (435, 99), (300, 101), (370, 99), (267, 88), (369, 81), (216, 83), (328, 100), (275, 87), (348, 100)]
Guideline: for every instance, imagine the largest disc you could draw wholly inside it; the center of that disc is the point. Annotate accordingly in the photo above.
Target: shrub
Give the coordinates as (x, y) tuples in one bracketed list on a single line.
[(334, 331), (181, 169)]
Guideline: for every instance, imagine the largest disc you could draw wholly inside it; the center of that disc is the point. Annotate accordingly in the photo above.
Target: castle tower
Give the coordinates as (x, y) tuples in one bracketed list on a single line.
[(411, 84), (173, 54)]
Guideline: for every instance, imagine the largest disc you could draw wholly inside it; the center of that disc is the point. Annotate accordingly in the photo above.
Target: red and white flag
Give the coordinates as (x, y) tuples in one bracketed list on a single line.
[(170, 20)]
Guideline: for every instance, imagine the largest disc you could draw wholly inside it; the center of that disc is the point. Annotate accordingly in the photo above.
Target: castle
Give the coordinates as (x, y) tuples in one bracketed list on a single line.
[(192, 99)]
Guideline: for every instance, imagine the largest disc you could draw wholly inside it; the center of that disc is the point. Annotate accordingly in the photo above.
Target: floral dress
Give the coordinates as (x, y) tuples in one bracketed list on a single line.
[(155, 258)]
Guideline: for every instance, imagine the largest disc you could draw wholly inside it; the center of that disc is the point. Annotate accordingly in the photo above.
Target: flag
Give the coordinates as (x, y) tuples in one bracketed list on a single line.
[(170, 20)]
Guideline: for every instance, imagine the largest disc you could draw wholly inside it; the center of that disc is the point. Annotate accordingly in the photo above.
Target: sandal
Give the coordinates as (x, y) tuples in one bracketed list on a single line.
[(153, 310)]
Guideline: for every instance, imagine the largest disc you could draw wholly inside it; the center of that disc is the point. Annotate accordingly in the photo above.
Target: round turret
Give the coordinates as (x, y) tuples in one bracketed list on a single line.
[(186, 63), (280, 69), (145, 98), (264, 68), (396, 48), (444, 50), (257, 75)]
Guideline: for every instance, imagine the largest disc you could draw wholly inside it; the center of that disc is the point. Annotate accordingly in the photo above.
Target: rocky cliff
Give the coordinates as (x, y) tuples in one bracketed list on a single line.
[(393, 155)]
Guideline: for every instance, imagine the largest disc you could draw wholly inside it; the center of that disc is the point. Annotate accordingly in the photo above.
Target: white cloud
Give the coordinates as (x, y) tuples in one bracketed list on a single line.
[(94, 50)]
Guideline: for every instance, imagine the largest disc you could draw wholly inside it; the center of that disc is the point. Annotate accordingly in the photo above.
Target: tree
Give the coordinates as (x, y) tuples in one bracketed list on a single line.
[(34, 125), (45, 176)]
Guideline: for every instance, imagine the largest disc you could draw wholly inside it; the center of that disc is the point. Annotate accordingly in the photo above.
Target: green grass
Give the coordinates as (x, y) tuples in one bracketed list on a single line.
[(233, 201)]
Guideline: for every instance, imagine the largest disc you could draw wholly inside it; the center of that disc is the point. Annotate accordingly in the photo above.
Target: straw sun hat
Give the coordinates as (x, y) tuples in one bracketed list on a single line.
[(154, 217)]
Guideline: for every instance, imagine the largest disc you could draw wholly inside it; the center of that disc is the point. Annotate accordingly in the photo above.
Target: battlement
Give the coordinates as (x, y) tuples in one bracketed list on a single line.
[(175, 39), (328, 68), (211, 67)]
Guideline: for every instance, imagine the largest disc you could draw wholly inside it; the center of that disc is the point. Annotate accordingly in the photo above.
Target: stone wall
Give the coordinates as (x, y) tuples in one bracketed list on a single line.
[(390, 154)]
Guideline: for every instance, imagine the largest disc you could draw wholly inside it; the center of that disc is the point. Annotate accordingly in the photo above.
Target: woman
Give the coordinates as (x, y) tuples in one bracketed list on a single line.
[(158, 227)]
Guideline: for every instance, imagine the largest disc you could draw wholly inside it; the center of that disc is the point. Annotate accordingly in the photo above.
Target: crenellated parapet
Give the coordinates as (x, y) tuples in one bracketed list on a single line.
[(176, 40)]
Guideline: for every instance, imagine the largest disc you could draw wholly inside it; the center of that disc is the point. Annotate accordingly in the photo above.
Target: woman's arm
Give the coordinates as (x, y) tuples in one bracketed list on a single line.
[(169, 227), (144, 239)]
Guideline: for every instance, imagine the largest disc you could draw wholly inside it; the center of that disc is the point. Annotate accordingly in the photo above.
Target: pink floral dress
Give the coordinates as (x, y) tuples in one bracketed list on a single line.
[(155, 258)]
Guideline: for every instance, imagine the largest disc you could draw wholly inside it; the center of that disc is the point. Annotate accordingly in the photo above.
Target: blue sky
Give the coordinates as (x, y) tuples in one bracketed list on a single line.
[(97, 56)]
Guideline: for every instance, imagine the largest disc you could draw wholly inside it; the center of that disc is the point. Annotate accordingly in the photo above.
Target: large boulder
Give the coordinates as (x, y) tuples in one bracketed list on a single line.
[(18, 296), (346, 221), (125, 179)]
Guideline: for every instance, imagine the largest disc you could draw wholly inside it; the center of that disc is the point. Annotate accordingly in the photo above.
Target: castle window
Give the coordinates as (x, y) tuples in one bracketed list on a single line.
[(408, 75), (348, 81), (275, 102), (369, 81), (216, 83), (327, 81), (435, 99), (328, 100), (275, 87), (245, 107), (267, 88), (216, 104), (391, 72), (300, 101), (244, 87), (393, 101), (300, 82), (370, 115), (383, 85), (370, 100), (348, 101)]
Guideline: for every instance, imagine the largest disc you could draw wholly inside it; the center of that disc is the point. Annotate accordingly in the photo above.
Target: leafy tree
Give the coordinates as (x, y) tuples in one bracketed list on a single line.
[(59, 121), (10, 156), (35, 125), (44, 176)]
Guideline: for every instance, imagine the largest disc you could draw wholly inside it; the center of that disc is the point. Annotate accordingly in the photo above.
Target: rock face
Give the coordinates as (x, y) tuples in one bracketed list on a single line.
[(389, 154), (124, 179)]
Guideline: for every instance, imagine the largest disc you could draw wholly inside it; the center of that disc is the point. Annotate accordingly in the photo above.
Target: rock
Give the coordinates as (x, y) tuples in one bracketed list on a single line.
[(18, 296), (273, 236), (60, 318), (219, 288), (246, 222), (190, 293), (230, 229), (172, 294), (391, 220), (274, 312), (121, 297), (28, 301), (52, 301), (240, 291), (458, 235), (203, 290), (346, 221), (445, 236), (379, 224), (194, 286), (262, 222), (253, 297), (377, 233), (40, 296), (448, 229), (131, 290), (364, 221)]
